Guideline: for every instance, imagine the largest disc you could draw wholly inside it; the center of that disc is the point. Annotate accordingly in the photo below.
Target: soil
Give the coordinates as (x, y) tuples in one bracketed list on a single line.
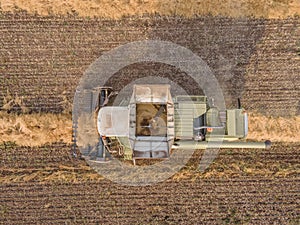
[(47, 186), (43, 58)]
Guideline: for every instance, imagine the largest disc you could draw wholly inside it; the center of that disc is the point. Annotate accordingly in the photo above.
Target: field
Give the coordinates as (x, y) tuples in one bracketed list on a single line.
[(235, 201), (43, 58), (44, 51), (45, 185)]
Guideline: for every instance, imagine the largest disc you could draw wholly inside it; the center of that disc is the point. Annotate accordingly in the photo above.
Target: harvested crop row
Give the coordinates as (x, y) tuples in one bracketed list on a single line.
[(43, 58), (54, 163), (239, 200)]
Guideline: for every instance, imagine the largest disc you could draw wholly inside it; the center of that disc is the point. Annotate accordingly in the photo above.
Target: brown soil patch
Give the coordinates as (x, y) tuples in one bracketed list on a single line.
[(187, 8)]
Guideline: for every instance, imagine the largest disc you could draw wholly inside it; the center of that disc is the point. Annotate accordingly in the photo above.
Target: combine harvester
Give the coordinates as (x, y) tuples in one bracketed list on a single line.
[(153, 123)]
